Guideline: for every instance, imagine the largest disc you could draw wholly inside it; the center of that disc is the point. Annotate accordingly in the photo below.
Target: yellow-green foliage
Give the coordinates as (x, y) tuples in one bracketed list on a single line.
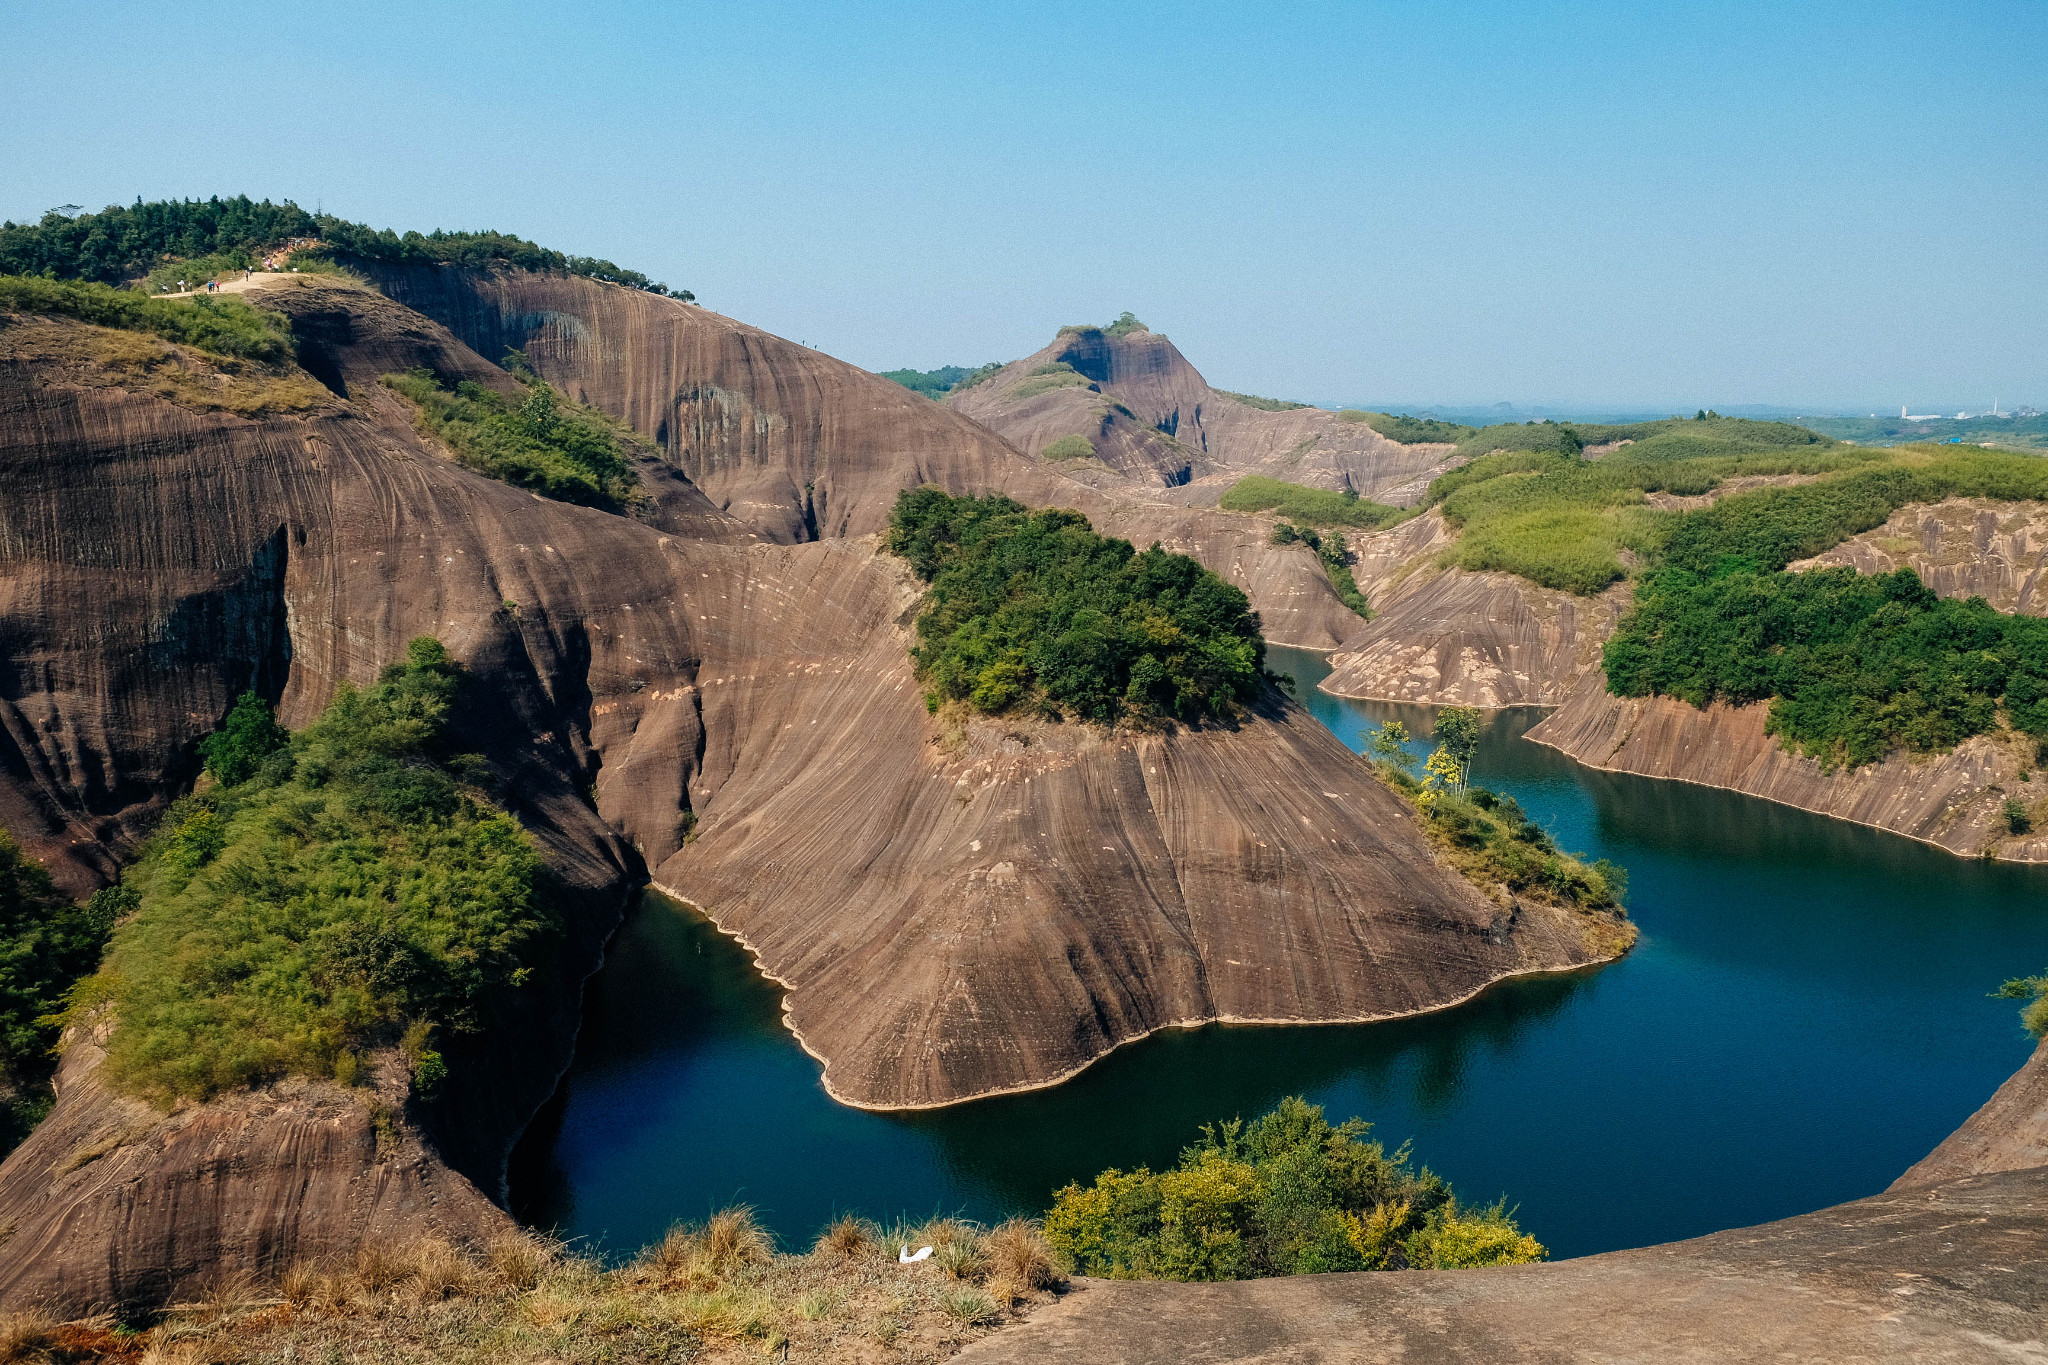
[(1069, 448), (195, 272), (1252, 400), (1319, 507), (350, 893), (2033, 990), (542, 442), (1056, 375), (1411, 430), (1288, 1194), (221, 325)]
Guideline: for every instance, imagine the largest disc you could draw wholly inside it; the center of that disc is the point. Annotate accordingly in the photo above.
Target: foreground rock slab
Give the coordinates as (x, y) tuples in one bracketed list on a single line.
[(1956, 1272)]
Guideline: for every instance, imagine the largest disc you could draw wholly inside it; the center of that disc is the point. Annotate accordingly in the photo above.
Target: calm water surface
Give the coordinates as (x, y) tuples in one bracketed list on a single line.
[(1805, 1017)]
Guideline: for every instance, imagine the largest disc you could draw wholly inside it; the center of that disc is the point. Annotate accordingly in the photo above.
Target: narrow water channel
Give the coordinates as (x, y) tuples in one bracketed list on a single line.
[(1805, 1016)]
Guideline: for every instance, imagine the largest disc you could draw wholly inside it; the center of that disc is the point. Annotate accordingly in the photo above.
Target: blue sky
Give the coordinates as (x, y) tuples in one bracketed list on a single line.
[(1611, 204)]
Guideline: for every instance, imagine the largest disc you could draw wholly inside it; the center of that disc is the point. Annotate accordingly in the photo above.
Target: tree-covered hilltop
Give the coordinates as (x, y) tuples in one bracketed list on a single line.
[(936, 384), (336, 891), (1288, 1194), (119, 243), (1032, 610)]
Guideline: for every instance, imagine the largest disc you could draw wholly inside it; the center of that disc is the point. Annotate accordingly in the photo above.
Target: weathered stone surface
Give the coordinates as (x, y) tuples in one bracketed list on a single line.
[(1965, 547), (1155, 420), (1952, 800), (2010, 1133), (800, 446), (1957, 1273)]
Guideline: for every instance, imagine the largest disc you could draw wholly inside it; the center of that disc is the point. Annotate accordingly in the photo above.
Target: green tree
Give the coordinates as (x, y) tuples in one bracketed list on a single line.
[(249, 735), (1389, 743), (1457, 730)]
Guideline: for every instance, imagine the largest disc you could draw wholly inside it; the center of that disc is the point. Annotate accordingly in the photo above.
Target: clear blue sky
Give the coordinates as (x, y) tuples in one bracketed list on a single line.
[(1660, 204)]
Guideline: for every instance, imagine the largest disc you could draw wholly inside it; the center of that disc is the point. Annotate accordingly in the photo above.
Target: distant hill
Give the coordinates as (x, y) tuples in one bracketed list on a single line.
[(2014, 433), (936, 384)]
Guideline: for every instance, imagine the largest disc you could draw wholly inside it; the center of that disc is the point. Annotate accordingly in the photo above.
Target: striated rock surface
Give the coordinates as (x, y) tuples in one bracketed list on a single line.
[(1449, 637), (955, 913), (2010, 1133), (1154, 419), (1965, 547), (799, 446), (1952, 800)]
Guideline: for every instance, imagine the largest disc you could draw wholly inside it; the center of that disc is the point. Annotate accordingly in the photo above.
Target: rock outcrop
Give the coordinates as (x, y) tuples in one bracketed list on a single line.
[(1449, 637), (1964, 547), (1948, 1265), (955, 914), (799, 446), (1152, 417)]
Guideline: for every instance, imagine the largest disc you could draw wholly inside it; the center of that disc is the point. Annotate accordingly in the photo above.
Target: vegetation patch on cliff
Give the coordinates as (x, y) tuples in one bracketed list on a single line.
[(222, 325), (67, 351), (1056, 374), (1489, 838), (336, 891), (713, 1291), (1319, 507), (1033, 610), (1288, 1194), (1252, 400), (1334, 553), (46, 944), (543, 442)]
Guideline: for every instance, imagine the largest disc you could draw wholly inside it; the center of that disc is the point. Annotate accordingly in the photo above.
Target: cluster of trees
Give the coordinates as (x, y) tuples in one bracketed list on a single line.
[(336, 890), (936, 384), (1035, 611), (220, 324), (1252, 400), (47, 942), (118, 243), (1125, 324), (542, 442), (1289, 1194), (1855, 665), (1486, 835)]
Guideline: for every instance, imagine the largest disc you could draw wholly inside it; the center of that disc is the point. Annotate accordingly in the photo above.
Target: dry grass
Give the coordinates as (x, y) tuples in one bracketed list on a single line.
[(714, 1291), (105, 357)]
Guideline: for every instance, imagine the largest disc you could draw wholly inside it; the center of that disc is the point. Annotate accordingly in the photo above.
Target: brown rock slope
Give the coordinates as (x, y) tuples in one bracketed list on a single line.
[(955, 915), (1963, 547), (1153, 418), (1954, 1269), (1449, 637), (799, 446)]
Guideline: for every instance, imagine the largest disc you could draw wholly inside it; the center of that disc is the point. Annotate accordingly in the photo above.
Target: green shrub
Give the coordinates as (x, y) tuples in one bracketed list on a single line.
[(1123, 326), (1288, 1194), (1855, 665), (2033, 990), (1309, 506), (1412, 430), (46, 944), (1033, 609), (221, 324), (1335, 556), (350, 894), (248, 736), (542, 442), (195, 272), (1069, 448)]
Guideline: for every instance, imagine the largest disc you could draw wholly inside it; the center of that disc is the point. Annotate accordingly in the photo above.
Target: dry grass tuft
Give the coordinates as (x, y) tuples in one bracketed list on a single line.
[(1017, 1251), (27, 1336), (849, 1238), (733, 1238)]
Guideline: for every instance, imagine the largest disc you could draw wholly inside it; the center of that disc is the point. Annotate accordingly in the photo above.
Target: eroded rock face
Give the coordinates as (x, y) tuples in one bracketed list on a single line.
[(799, 446), (2010, 1133), (155, 562), (1965, 547), (1154, 419)]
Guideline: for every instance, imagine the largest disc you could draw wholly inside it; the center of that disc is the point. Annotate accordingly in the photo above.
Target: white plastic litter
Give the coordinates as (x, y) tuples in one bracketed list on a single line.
[(908, 1258)]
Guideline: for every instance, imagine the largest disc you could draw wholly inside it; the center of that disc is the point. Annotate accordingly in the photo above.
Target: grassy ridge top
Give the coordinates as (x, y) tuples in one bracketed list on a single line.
[(119, 242), (220, 325)]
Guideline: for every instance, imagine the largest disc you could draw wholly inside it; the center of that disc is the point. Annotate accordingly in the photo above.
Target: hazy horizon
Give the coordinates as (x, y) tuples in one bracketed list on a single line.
[(1830, 206)]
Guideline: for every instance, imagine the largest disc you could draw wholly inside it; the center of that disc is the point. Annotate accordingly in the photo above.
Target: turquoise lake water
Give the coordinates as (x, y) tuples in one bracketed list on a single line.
[(1805, 1017)]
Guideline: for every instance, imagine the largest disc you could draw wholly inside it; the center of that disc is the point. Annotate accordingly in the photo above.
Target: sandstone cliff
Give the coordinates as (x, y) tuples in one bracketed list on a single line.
[(1154, 419), (955, 913), (799, 446)]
